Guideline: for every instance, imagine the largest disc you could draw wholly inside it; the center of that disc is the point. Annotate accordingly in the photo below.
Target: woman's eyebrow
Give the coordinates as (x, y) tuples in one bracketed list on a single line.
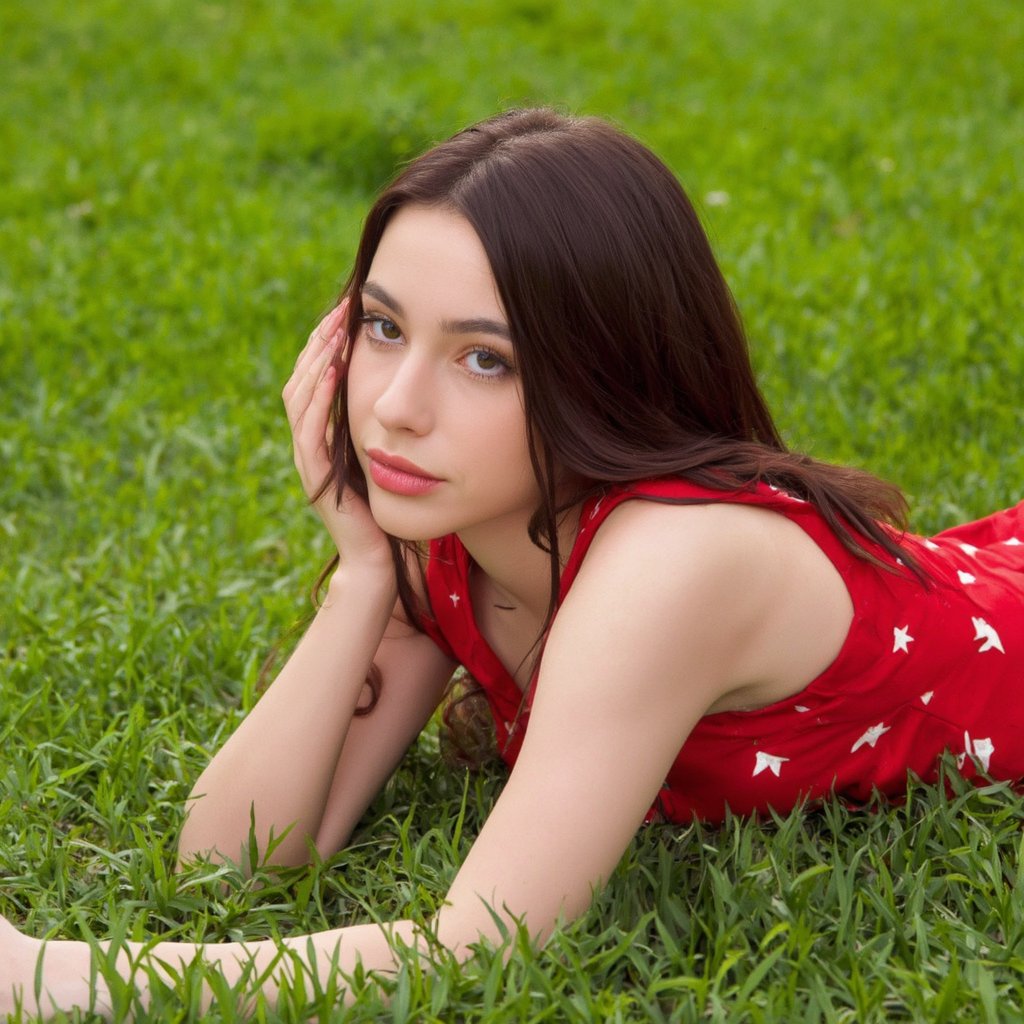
[(477, 325), (376, 292), (472, 325)]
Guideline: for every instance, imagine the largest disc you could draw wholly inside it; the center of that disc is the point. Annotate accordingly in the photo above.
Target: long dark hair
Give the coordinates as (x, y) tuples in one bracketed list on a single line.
[(633, 359)]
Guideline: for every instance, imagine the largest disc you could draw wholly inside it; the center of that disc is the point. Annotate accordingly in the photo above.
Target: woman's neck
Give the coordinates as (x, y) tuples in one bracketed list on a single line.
[(518, 572)]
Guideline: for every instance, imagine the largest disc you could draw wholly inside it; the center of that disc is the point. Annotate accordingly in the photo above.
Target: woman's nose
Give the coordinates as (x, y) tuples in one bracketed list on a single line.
[(406, 403)]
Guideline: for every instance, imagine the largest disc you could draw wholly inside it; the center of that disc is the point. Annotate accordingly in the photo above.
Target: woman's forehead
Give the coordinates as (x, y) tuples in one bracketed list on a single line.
[(432, 258)]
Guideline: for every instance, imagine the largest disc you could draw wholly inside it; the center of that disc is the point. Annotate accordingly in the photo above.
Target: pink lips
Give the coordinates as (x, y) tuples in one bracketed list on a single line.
[(398, 475)]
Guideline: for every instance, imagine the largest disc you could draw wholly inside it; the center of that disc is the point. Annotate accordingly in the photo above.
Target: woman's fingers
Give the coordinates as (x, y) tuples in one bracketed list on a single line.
[(325, 332), (322, 345), (318, 341), (308, 397), (314, 425), (322, 333), (317, 390), (298, 402)]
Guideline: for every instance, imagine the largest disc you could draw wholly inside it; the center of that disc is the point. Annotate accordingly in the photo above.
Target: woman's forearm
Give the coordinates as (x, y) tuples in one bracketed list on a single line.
[(69, 973), (275, 770)]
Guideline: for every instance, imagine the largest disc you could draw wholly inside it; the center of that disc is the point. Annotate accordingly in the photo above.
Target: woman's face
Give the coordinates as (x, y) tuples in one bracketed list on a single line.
[(434, 398)]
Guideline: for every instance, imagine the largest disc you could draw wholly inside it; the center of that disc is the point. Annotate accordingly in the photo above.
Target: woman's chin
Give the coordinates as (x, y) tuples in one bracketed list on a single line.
[(405, 531), (404, 524)]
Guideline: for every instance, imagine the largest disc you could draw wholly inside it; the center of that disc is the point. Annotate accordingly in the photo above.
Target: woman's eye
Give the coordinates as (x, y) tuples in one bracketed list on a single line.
[(380, 328), (485, 363)]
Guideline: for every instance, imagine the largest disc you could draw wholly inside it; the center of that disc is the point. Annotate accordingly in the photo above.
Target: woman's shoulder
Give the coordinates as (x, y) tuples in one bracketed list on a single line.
[(734, 542), (748, 587), (674, 520)]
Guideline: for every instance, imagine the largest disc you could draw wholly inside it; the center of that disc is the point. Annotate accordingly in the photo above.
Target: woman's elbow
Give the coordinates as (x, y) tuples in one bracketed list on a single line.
[(459, 932)]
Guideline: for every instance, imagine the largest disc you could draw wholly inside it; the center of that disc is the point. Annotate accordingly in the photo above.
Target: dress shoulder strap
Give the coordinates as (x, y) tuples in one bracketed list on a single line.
[(678, 491)]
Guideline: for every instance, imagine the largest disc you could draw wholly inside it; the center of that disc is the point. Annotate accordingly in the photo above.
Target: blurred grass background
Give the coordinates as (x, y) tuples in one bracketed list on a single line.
[(181, 188)]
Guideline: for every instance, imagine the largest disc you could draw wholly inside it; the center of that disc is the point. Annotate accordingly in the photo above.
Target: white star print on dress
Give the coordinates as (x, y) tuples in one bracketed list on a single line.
[(983, 751), (770, 761), (900, 638), (926, 697), (931, 545), (870, 737), (980, 749), (966, 577), (454, 599), (786, 494), (1013, 542), (969, 549), (983, 631)]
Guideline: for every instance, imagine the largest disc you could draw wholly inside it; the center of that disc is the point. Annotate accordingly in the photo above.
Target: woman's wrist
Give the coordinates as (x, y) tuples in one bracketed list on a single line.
[(367, 584)]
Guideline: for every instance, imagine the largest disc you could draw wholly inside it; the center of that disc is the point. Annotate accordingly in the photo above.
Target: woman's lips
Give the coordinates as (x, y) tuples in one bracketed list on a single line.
[(397, 475)]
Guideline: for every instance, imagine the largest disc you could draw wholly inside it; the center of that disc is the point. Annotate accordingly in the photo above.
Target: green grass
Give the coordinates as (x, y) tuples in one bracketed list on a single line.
[(182, 184)]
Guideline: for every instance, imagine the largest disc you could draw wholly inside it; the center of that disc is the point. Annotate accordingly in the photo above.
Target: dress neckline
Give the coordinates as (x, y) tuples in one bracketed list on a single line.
[(464, 564)]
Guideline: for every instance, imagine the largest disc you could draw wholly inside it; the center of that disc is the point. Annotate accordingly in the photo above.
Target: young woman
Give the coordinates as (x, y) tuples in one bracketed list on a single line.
[(532, 431)]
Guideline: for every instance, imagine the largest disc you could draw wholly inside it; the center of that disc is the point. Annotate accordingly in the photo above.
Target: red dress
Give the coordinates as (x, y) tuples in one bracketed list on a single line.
[(921, 670)]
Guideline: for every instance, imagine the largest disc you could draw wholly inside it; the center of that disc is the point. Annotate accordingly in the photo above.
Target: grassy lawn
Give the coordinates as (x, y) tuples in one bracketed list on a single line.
[(182, 185)]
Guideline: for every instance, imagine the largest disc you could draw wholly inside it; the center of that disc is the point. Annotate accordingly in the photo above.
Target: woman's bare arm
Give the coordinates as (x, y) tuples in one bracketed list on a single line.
[(300, 763), (612, 708), (283, 773), (414, 675)]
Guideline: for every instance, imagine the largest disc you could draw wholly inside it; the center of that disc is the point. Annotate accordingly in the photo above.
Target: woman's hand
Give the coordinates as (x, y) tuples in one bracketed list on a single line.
[(18, 953), (307, 400)]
